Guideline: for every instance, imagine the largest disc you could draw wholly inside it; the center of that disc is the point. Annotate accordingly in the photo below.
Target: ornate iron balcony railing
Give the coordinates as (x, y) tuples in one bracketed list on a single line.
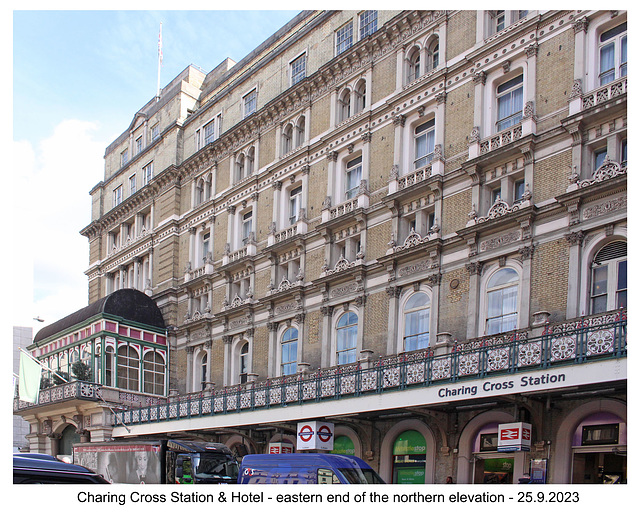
[(571, 343)]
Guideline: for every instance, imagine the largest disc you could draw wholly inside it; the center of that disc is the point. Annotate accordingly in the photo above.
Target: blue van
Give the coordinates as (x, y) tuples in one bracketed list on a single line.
[(280, 469)]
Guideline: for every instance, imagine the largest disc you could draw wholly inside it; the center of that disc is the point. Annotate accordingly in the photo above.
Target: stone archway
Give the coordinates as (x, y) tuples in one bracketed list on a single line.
[(386, 449), (562, 449)]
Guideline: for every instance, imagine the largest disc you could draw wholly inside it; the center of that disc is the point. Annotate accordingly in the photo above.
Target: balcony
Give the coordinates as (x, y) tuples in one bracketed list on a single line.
[(80, 391), (555, 350), (610, 92)]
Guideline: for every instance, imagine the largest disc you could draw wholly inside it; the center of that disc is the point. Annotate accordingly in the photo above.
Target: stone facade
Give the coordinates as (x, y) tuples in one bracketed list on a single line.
[(380, 179)]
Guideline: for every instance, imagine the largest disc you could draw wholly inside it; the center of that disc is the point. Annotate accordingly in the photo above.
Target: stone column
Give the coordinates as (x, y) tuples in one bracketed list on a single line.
[(475, 272), (575, 240)]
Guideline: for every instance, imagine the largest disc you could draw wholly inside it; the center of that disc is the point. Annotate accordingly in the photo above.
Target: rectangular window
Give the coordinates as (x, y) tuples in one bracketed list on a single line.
[(499, 21), (205, 245), (209, 132), (424, 135), (249, 102), (600, 434), (147, 173), (368, 23), (344, 38), (295, 198), (124, 157), (247, 227), (132, 184), (489, 442), (613, 54), (117, 196), (353, 177), (623, 153), (518, 190), (298, 69), (598, 158), (155, 132), (138, 145), (510, 103)]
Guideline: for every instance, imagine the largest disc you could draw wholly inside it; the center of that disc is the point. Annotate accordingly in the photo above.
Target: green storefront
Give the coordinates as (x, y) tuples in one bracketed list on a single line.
[(409, 458)]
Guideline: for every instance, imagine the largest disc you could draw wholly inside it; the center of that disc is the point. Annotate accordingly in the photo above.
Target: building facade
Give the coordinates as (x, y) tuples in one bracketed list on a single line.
[(410, 224)]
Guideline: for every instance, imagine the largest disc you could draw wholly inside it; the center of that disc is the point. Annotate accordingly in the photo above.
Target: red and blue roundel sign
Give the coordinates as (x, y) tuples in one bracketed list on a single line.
[(315, 435)]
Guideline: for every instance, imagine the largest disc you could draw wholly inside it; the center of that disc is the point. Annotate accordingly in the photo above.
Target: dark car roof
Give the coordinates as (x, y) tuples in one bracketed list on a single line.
[(48, 464), (313, 459), (35, 456)]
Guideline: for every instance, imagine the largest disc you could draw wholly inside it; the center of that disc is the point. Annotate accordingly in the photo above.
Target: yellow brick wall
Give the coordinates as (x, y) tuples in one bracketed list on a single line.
[(461, 32), (554, 75), (376, 319), (550, 278), (455, 211), (383, 78), (378, 238), (551, 176), (458, 119), (381, 157), (453, 308)]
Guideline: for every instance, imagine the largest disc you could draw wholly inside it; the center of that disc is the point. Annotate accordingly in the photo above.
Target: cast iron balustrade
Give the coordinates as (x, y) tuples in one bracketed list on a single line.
[(570, 343)]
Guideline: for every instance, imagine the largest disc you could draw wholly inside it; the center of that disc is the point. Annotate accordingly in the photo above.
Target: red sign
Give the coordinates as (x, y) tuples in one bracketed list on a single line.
[(306, 433), (324, 434), (510, 434)]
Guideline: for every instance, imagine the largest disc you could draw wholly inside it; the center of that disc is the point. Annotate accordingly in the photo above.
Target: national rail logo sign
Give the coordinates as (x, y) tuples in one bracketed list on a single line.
[(514, 437), (315, 435)]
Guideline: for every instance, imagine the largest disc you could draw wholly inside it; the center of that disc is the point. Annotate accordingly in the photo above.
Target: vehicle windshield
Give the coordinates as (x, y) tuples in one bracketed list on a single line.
[(361, 476), (215, 466)]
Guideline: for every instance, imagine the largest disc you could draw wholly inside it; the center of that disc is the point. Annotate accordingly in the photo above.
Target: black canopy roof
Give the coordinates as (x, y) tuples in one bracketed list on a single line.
[(129, 304)]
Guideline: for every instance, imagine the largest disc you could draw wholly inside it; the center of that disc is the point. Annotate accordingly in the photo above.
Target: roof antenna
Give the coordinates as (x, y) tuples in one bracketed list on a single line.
[(159, 60)]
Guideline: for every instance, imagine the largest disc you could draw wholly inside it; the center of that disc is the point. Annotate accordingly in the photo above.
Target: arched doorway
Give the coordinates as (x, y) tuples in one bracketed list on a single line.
[(68, 438)]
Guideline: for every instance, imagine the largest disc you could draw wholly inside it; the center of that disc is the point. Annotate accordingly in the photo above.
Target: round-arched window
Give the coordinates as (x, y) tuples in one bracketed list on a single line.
[(502, 301), (347, 335)]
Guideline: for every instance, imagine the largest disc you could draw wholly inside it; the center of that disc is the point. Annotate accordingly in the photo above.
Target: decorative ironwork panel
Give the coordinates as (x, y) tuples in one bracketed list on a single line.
[(497, 359), (275, 396), (218, 404), (600, 342), (441, 369), (348, 384), (530, 354), (328, 387), (232, 402), (368, 380), (469, 364), (291, 393), (563, 347), (309, 390), (183, 407), (391, 377), (260, 397), (245, 400), (415, 373)]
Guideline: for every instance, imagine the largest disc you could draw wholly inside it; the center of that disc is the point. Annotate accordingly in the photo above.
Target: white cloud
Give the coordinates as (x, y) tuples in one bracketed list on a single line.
[(50, 256)]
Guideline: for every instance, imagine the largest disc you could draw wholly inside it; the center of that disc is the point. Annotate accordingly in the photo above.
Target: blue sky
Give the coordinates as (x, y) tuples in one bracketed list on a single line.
[(78, 79)]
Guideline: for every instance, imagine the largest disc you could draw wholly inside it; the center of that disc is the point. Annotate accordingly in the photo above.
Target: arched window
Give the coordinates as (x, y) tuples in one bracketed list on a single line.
[(128, 368), (200, 192), (413, 64), (416, 322), (344, 105), (300, 132), (609, 278), (360, 97), (433, 55), (243, 363), (502, 301), (251, 158), (240, 167), (287, 139), (154, 371), (346, 338), (289, 351)]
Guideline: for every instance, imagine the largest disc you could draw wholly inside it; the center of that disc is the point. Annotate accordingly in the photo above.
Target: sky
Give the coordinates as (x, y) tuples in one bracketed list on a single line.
[(78, 79)]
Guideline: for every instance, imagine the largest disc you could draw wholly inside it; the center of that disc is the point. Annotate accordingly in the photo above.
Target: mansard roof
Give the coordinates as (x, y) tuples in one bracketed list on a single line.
[(128, 304)]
